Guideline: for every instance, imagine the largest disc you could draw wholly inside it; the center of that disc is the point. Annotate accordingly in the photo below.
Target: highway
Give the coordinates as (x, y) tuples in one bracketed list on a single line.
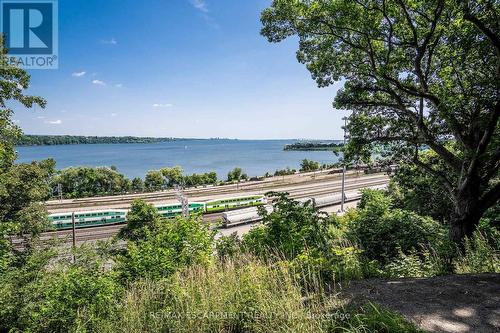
[(311, 186)]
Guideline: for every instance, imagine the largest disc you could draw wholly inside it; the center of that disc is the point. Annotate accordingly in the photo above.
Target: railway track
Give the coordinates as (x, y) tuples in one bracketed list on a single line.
[(105, 232), (207, 193)]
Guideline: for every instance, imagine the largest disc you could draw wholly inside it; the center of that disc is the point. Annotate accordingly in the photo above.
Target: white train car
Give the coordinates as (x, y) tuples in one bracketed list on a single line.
[(242, 216)]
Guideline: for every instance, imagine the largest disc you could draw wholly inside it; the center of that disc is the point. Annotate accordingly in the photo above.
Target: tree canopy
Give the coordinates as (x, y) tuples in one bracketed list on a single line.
[(417, 75)]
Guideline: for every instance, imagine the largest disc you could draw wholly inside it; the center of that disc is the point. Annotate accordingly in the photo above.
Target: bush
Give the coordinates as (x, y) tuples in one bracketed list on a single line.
[(312, 241), (383, 232), (228, 246), (49, 294), (170, 246)]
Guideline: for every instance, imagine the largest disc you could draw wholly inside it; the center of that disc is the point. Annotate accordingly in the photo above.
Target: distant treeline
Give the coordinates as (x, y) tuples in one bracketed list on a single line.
[(49, 140), (314, 146)]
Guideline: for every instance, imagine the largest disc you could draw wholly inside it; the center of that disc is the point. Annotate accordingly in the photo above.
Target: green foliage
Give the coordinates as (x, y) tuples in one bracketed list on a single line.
[(154, 181), (371, 318), (47, 294), (416, 264), (285, 172), (13, 81), (418, 191), (228, 247), (49, 140), (164, 246), (142, 220), (78, 182), (409, 74), (243, 296), (172, 176), (383, 232), (310, 240), (236, 174), (22, 188), (479, 255), (137, 184), (169, 177), (306, 146), (307, 165)]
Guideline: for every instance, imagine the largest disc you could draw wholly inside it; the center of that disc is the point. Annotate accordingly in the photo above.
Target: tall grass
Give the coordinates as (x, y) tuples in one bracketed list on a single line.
[(242, 295), (479, 255)]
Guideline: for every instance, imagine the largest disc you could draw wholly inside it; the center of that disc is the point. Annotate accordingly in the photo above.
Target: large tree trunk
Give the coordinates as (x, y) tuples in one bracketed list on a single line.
[(467, 213)]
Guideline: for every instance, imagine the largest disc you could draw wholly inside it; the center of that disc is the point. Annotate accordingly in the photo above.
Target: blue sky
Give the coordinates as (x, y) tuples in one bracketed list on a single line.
[(176, 68)]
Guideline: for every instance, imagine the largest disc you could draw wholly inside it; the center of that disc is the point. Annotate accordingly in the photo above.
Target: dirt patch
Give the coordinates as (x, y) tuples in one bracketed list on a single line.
[(454, 303)]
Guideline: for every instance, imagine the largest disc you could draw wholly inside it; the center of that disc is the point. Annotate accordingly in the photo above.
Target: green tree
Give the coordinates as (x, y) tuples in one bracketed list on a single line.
[(13, 81), (78, 182), (236, 174), (21, 186), (411, 76), (154, 181), (173, 176), (137, 184), (142, 219), (307, 165)]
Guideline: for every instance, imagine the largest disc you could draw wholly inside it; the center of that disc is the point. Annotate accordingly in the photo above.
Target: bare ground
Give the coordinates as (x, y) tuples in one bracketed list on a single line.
[(453, 303)]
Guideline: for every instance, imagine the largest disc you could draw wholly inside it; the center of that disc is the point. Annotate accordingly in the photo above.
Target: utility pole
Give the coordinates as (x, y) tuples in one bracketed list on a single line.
[(343, 168), (59, 191), (183, 200), (73, 222)]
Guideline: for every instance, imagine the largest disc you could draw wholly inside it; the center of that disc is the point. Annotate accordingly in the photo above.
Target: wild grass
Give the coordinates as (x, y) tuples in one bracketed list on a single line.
[(242, 295)]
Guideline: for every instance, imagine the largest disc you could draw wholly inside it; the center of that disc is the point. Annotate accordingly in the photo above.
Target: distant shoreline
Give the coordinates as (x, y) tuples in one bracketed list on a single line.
[(56, 140), (35, 140), (315, 146)]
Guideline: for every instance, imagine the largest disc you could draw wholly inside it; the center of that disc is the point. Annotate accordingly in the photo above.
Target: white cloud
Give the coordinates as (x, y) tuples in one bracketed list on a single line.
[(79, 74), (99, 82), (111, 41), (162, 105), (40, 117), (201, 5), (54, 122), (119, 85), (114, 114)]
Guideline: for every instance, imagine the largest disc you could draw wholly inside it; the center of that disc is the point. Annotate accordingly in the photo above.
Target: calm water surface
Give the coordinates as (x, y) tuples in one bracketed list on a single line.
[(256, 157)]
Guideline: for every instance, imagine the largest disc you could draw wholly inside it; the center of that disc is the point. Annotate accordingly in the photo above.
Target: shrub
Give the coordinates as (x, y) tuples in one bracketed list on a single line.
[(416, 264), (48, 294), (310, 240), (228, 246), (170, 246), (383, 232)]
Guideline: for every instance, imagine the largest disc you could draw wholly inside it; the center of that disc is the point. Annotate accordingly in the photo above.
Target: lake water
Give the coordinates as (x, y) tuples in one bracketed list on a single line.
[(255, 157)]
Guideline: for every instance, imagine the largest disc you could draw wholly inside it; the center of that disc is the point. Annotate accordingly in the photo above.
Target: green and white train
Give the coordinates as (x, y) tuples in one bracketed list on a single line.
[(62, 221)]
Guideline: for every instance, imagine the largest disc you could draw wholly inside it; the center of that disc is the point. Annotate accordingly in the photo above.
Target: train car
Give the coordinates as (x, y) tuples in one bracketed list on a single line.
[(242, 216), (172, 210), (234, 203), (62, 221)]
